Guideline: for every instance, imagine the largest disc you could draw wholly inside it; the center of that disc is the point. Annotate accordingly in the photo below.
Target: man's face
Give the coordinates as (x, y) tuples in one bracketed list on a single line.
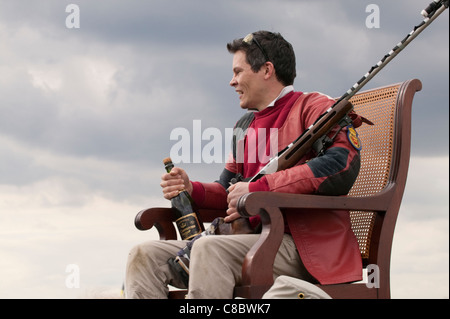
[(248, 84)]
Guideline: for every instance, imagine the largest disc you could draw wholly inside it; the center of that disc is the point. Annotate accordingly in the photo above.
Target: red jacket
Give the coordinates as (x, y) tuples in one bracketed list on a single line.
[(324, 239)]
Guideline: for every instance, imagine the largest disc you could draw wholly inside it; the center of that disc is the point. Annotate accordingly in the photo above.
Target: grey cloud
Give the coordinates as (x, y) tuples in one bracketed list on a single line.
[(169, 66)]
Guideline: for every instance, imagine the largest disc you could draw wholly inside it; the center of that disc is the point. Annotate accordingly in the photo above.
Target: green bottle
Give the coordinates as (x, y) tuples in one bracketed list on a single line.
[(187, 220)]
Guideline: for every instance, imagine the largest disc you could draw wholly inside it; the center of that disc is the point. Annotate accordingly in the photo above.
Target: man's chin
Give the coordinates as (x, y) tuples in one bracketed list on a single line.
[(245, 107)]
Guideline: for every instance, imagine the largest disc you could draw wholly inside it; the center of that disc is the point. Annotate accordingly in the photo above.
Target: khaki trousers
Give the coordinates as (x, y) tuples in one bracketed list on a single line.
[(215, 266)]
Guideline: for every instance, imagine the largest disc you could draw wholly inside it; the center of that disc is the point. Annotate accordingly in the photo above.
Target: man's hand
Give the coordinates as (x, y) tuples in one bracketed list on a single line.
[(174, 182), (235, 191)]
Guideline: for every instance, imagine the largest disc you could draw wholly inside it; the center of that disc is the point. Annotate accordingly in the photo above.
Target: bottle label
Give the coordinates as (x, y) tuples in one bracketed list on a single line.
[(189, 226)]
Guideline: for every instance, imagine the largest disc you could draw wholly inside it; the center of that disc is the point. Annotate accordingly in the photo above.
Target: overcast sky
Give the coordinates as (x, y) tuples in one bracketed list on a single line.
[(86, 116)]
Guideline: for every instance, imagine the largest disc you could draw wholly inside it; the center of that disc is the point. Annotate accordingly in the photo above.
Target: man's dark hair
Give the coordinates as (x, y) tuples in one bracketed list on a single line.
[(277, 49)]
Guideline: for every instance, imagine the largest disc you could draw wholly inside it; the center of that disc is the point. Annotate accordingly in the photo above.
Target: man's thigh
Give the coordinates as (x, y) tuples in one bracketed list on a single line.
[(216, 261), (216, 265)]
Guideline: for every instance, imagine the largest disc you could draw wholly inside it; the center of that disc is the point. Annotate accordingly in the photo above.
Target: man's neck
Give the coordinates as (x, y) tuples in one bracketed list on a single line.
[(276, 95)]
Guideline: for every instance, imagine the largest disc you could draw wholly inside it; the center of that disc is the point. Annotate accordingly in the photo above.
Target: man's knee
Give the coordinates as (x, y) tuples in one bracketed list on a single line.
[(136, 256), (207, 245), (143, 253)]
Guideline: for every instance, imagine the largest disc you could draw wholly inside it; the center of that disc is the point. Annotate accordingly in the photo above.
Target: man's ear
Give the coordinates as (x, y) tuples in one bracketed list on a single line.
[(269, 70)]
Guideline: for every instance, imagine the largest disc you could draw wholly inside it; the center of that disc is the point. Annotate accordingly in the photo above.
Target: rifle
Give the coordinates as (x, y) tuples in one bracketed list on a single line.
[(316, 135)]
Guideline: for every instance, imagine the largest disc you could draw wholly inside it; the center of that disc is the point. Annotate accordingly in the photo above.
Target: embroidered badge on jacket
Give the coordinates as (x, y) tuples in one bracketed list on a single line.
[(353, 137)]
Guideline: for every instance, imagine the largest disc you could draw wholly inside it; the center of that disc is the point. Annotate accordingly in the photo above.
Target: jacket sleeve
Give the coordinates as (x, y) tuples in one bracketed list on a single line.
[(209, 195)]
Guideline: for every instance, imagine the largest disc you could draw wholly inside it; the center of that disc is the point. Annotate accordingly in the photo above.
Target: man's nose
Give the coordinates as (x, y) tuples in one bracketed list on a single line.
[(233, 81)]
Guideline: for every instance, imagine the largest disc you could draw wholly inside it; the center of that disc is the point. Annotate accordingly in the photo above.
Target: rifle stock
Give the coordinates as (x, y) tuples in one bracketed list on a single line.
[(294, 152), (303, 144)]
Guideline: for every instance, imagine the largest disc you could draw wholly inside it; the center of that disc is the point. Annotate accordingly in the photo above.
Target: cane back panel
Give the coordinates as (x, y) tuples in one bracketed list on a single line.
[(378, 106)]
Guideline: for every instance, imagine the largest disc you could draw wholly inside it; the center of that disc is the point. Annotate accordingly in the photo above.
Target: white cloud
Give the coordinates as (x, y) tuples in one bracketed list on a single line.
[(42, 231), (420, 259), (419, 263)]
